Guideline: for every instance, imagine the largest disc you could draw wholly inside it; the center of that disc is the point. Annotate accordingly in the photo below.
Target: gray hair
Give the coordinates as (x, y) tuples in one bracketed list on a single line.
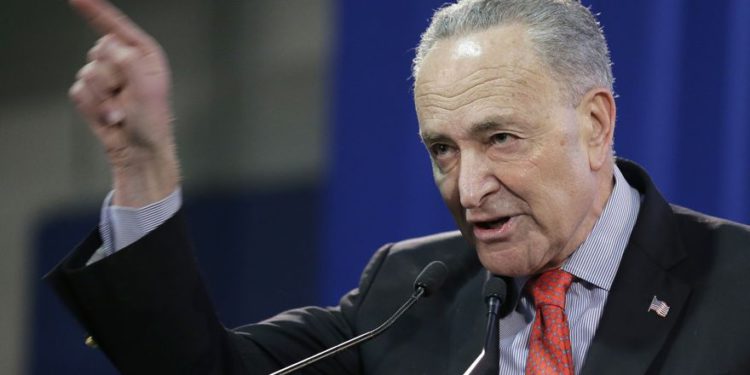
[(565, 35)]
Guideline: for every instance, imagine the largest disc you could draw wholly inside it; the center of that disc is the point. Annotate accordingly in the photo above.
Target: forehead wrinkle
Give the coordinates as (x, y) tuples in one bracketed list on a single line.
[(520, 84), (436, 111), (471, 78), (500, 95), (518, 72)]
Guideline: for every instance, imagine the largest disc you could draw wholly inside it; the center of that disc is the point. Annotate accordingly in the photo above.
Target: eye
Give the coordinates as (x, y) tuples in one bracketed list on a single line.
[(443, 155), (440, 149), (501, 138)]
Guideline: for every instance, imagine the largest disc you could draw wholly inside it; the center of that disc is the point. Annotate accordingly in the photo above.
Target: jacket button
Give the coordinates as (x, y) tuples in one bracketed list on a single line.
[(91, 343)]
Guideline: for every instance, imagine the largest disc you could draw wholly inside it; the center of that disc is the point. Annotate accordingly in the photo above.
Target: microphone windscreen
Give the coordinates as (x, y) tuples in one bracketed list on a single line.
[(495, 286), (431, 277)]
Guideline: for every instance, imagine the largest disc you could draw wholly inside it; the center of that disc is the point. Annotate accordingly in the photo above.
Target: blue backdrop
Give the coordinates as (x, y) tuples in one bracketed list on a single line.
[(682, 73)]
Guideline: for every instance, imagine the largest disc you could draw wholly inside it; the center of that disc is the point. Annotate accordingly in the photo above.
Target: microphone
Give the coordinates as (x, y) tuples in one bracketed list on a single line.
[(428, 281), (488, 362)]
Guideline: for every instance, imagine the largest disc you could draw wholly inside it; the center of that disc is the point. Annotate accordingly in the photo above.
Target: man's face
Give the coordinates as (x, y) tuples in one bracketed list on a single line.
[(509, 154)]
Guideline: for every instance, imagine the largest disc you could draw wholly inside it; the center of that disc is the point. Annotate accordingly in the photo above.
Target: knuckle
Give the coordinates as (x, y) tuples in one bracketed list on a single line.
[(106, 47), (75, 91), (86, 72), (151, 43), (94, 53), (124, 59), (99, 47), (103, 40)]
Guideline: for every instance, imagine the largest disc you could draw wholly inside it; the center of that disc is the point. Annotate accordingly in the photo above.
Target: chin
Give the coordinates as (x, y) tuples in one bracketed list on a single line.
[(511, 262)]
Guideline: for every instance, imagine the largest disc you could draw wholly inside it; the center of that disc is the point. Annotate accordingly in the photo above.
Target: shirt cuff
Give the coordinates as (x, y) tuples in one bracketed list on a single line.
[(121, 226)]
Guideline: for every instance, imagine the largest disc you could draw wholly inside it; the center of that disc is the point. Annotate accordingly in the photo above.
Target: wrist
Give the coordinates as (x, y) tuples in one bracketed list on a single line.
[(139, 183)]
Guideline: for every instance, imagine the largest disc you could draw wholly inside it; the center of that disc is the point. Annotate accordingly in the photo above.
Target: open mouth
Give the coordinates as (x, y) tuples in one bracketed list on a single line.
[(494, 224)]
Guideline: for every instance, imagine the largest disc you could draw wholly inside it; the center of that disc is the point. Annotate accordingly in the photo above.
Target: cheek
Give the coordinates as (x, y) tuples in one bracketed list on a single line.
[(551, 182), (445, 186), (567, 192), (563, 164)]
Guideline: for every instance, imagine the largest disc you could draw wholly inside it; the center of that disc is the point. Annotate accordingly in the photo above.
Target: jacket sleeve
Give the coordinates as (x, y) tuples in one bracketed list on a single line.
[(148, 310)]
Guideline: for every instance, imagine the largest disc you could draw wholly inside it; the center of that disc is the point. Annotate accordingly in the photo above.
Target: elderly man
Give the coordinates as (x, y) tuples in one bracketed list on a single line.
[(515, 107)]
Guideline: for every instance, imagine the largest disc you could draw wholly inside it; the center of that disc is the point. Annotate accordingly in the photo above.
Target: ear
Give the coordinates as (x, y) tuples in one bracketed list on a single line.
[(597, 114)]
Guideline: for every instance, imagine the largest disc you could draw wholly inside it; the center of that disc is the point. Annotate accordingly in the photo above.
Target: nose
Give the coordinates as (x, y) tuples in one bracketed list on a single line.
[(476, 180)]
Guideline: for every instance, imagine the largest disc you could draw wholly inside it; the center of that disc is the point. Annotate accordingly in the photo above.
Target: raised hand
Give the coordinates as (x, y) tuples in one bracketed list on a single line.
[(124, 95)]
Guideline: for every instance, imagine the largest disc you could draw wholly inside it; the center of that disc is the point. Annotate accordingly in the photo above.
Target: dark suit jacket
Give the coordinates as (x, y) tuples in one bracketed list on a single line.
[(147, 308)]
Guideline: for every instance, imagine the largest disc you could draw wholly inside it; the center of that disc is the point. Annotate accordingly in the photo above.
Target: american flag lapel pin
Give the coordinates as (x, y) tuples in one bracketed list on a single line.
[(659, 307)]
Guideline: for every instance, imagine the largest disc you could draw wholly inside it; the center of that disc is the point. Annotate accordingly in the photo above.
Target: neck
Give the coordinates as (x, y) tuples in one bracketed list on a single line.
[(605, 183)]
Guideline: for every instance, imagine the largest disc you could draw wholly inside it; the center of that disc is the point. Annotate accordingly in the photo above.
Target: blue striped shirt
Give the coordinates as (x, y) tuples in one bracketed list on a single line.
[(594, 264)]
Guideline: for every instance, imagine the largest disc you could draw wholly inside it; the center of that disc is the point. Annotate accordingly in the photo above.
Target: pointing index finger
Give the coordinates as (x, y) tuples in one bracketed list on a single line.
[(105, 18)]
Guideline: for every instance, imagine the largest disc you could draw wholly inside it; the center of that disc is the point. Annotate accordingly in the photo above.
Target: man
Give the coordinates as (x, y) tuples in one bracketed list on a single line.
[(515, 107)]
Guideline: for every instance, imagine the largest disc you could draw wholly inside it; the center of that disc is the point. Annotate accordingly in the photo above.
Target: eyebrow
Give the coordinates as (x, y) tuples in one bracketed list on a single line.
[(488, 125), (429, 138)]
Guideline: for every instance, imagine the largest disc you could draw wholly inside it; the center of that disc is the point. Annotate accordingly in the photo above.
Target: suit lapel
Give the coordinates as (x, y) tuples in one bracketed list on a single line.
[(630, 336)]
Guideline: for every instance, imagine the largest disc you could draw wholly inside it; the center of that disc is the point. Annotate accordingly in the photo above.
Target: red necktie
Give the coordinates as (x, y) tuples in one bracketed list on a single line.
[(549, 343)]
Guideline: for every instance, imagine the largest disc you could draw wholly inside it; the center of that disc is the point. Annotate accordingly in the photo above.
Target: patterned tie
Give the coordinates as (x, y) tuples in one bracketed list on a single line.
[(549, 344)]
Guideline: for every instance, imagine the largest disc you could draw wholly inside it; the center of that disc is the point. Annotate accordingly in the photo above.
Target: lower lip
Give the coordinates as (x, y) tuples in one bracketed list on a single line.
[(495, 234)]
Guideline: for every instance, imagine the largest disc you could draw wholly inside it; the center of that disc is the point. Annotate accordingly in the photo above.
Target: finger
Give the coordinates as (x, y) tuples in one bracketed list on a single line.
[(101, 78), (95, 51), (86, 75), (105, 58), (84, 101), (123, 59), (105, 18), (92, 109), (110, 113)]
